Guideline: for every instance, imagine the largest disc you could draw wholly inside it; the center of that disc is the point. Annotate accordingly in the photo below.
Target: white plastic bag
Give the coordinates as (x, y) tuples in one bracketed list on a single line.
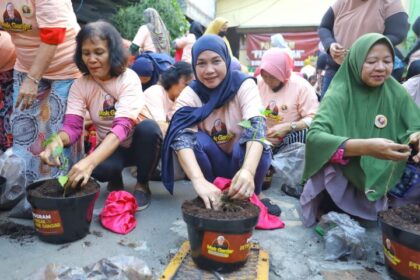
[(288, 163), (12, 168)]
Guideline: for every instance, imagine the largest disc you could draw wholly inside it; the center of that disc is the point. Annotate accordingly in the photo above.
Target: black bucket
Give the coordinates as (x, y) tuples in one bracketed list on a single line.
[(220, 245), (401, 252), (62, 219)]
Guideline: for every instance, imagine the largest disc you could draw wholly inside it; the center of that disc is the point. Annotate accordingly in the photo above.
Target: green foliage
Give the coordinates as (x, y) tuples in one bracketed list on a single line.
[(245, 124), (63, 180), (129, 19)]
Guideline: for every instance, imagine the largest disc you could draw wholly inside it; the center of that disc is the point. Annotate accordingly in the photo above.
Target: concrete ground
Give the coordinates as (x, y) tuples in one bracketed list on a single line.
[(295, 252)]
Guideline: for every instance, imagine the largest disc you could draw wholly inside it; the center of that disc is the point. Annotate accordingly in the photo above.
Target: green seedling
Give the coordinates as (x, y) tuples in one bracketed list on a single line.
[(58, 152)]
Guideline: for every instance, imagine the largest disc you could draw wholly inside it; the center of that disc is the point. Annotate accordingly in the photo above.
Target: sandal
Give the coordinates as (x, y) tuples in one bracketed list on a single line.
[(272, 208)]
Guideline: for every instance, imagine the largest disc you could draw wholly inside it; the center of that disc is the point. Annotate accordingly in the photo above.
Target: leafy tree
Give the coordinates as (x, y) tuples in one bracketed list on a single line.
[(128, 19)]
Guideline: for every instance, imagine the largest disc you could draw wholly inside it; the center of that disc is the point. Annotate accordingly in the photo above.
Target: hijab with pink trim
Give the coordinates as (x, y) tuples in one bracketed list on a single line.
[(278, 63)]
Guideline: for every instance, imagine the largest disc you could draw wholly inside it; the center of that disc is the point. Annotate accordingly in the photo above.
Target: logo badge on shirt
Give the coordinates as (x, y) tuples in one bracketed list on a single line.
[(219, 132), (108, 111), (272, 112), (12, 17), (283, 108), (381, 121)]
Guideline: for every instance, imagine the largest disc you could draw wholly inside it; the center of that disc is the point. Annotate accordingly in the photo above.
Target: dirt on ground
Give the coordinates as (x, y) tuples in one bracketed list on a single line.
[(16, 232)]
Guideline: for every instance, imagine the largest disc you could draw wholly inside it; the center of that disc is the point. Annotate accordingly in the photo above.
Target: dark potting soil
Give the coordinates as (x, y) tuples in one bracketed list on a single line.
[(52, 188), (405, 218), (16, 232), (241, 209)]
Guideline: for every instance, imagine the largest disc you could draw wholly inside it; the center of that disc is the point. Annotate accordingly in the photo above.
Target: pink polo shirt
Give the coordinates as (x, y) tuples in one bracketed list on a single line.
[(30, 16), (297, 100), (223, 123), (7, 50), (158, 104), (118, 97), (143, 39), (186, 44)]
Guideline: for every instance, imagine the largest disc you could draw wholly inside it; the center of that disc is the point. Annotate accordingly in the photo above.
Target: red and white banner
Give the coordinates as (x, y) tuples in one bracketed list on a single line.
[(302, 44)]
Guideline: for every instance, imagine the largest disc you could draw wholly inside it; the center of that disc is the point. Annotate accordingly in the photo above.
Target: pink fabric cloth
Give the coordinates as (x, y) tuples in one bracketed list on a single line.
[(338, 157), (278, 63), (118, 214), (265, 221), (72, 126), (122, 127)]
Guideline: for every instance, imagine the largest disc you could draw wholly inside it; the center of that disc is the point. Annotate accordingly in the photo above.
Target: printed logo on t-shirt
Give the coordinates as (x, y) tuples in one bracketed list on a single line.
[(219, 132), (14, 16), (272, 112), (108, 111)]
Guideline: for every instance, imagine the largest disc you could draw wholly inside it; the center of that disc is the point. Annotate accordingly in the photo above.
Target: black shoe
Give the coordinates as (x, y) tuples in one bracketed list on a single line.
[(272, 208), (143, 199)]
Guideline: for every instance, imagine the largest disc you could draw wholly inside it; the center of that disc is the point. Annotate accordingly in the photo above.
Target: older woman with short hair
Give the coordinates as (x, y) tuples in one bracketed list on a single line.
[(125, 140)]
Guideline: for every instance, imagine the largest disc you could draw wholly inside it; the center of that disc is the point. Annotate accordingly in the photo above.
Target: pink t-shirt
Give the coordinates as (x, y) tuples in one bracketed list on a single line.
[(30, 16), (186, 44), (158, 104), (295, 101), (118, 97), (7, 50), (143, 39), (223, 123)]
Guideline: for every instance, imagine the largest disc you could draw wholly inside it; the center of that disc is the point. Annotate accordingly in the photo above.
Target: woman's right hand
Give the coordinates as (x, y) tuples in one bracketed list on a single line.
[(208, 192), (51, 155), (386, 149), (337, 53)]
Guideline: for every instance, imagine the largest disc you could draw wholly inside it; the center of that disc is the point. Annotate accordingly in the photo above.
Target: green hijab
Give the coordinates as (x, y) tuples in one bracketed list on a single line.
[(349, 109)]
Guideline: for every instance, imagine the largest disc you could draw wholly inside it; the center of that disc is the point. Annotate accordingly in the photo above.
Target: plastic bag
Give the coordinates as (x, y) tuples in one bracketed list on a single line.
[(288, 163), (343, 236), (112, 268), (12, 168)]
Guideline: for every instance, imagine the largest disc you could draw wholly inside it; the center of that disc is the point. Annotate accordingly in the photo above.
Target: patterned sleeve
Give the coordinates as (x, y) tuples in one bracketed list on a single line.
[(256, 132), (185, 138)]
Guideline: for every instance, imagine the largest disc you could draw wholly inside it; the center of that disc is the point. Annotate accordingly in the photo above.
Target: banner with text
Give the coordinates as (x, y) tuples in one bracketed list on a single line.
[(302, 44)]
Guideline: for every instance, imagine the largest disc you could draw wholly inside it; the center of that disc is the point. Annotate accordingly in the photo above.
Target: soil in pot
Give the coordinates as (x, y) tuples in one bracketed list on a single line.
[(401, 241), (52, 188), (220, 240), (58, 219)]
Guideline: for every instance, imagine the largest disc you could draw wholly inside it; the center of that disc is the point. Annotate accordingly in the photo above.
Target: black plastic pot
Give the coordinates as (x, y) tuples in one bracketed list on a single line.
[(219, 245), (401, 252), (62, 219)]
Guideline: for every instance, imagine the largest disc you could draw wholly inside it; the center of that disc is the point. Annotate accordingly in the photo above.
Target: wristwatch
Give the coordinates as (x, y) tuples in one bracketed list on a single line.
[(293, 125)]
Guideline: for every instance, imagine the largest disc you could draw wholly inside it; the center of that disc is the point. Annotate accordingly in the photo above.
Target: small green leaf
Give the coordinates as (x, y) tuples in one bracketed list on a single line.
[(57, 151), (49, 140), (266, 112), (245, 124), (63, 180)]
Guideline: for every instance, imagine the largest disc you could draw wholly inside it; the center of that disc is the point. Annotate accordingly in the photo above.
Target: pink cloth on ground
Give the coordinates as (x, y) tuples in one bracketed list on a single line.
[(118, 214), (266, 220)]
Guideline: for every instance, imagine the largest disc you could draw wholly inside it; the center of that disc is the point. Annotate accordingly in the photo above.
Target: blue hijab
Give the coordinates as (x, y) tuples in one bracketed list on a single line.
[(212, 99)]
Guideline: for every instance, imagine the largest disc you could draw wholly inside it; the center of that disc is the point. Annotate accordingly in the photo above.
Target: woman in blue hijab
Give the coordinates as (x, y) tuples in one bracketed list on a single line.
[(205, 132)]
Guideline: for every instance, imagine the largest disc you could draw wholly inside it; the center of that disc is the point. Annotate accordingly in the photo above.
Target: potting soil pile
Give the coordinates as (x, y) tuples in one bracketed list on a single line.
[(406, 217), (182, 267)]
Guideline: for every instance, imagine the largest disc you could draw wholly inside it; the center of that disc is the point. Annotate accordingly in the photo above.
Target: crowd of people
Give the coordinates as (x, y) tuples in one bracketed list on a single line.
[(202, 110)]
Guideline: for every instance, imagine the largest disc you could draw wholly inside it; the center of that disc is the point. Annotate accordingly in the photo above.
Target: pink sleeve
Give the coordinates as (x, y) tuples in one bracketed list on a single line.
[(307, 101), (122, 127), (72, 126), (53, 14), (141, 35), (76, 102), (250, 100), (181, 42), (338, 157)]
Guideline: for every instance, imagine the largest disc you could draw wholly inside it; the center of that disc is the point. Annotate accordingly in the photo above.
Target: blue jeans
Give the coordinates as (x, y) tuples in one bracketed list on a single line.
[(214, 162)]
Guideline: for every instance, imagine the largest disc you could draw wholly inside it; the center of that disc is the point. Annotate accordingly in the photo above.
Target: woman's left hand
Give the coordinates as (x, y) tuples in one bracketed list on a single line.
[(27, 94), (415, 141), (242, 185), (80, 172)]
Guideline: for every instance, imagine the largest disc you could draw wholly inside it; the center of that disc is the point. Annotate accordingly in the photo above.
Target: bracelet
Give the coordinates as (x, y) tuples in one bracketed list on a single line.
[(32, 79)]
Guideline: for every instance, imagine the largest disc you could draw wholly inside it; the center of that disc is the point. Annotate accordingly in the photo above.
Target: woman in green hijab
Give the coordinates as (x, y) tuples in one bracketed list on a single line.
[(358, 144)]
